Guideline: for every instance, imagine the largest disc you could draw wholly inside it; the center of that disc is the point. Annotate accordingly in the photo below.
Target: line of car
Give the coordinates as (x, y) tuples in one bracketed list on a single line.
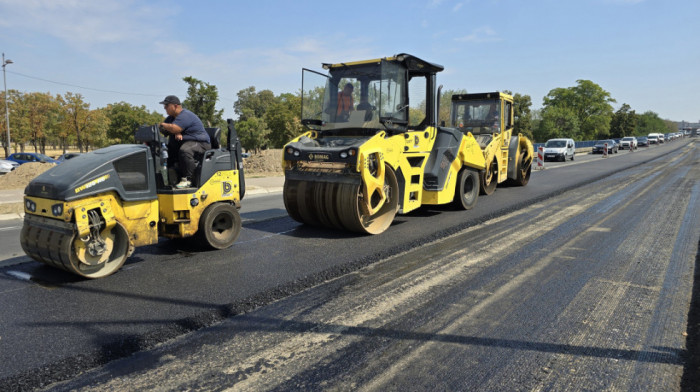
[(563, 149), (15, 160)]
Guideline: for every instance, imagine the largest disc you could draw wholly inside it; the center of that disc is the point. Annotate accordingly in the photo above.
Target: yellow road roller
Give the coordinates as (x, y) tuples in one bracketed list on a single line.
[(373, 147), (489, 118), (88, 214)]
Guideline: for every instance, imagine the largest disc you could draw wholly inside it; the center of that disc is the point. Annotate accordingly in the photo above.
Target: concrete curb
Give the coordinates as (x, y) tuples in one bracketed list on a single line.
[(253, 190)]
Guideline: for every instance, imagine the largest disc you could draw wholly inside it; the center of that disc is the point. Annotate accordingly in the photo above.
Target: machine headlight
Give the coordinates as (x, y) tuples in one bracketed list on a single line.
[(57, 209), (31, 206), (344, 154), (296, 153)]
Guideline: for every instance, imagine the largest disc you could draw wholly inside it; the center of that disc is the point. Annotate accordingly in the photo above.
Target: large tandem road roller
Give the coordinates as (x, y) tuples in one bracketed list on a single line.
[(373, 147), (489, 118), (88, 214)]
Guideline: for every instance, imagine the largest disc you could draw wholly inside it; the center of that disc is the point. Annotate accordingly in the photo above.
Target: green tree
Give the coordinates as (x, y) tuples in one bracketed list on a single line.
[(283, 120), (201, 100), (124, 118), (253, 133), (38, 109), (253, 104), (522, 115), (650, 122), (588, 102), (252, 107), (557, 122), (623, 122), (95, 130)]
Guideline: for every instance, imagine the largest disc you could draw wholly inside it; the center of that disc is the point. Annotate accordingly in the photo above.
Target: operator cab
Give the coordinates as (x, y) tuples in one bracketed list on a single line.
[(481, 114)]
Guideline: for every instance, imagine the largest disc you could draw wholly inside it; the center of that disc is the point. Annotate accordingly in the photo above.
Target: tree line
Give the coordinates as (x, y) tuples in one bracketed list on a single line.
[(266, 120)]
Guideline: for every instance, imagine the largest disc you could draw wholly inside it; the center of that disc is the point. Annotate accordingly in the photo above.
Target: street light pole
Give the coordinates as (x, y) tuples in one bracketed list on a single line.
[(7, 112)]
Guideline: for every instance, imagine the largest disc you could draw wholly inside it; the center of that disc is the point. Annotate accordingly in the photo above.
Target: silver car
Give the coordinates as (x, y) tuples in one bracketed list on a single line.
[(7, 166)]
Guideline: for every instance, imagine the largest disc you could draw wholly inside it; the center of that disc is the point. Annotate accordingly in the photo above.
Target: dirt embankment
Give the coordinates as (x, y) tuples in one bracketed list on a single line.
[(262, 164)]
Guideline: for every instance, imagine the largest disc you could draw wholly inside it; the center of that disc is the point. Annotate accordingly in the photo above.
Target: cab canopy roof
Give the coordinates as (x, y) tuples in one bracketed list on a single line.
[(480, 96), (415, 65)]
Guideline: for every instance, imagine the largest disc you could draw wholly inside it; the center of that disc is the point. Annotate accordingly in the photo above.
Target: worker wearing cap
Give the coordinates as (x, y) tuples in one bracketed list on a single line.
[(187, 138)]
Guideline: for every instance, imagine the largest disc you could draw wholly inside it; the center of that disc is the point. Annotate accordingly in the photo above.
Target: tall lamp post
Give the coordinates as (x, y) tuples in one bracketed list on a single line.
[(7, 112)]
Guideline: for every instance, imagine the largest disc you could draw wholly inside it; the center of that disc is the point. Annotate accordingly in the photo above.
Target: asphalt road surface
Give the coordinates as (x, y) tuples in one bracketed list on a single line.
[(580, 281)]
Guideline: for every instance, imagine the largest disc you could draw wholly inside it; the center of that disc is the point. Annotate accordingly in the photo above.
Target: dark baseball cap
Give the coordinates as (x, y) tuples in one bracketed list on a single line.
[(171, 99)]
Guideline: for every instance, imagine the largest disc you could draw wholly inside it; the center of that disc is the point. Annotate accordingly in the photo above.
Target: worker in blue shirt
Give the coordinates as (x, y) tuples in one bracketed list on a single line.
[(187, 138)]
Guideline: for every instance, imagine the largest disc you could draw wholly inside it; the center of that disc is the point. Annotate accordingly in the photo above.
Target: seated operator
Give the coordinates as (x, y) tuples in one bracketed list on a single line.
[(345, 103), (187, 138)]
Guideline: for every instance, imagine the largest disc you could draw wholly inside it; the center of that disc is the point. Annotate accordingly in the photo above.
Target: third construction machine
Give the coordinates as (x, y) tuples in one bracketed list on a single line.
[(489, 117), (374, 147)]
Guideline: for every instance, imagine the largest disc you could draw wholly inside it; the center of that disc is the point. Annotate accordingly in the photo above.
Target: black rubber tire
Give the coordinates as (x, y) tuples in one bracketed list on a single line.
[(219, 225), (490, 175), (466, 189)]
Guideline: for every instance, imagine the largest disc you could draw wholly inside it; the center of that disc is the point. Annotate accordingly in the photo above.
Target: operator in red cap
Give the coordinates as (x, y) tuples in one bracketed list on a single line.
[(187, 138)]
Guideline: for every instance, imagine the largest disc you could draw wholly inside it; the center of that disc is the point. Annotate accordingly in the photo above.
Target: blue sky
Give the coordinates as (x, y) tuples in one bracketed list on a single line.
[(644, 53)]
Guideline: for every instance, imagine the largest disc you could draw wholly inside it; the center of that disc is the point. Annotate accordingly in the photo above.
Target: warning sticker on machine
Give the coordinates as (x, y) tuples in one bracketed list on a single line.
[(227, 189)]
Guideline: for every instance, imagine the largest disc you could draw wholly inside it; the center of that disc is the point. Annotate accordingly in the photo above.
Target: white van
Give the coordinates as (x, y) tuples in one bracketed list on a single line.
[(559, 150), (655, 138)]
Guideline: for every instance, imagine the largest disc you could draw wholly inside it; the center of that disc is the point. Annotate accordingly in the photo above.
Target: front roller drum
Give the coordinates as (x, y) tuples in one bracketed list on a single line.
[(341, 205), (62, 248), (489, 178)]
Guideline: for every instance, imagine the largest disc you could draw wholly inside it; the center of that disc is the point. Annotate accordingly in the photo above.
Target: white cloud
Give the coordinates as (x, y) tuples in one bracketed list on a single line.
[(85, 24), (480, 35)]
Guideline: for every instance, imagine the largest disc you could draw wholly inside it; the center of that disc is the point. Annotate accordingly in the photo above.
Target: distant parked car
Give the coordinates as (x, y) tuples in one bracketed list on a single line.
[(7, 166), (599, 147), (68, 155), (628, 143), (642, 141), (653, 138), (24, 157)]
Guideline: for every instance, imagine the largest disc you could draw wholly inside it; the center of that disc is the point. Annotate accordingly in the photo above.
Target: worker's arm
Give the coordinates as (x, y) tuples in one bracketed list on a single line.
[(171, 128)]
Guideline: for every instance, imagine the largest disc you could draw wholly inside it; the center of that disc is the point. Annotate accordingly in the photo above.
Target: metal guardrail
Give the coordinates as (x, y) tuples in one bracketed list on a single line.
[(584, 144)]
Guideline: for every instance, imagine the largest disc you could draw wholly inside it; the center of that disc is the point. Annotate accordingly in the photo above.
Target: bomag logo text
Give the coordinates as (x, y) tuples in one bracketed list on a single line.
[(319, 157), (91, 183)]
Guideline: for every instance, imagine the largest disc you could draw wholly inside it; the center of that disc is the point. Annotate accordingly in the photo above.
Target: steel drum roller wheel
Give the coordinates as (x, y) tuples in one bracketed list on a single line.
[(220, 225), (339, 205), (116, 253), (489, 178), (524, 169)]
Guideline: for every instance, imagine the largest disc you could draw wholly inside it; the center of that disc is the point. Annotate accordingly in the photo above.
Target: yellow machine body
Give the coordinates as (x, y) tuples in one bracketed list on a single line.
[(356, 170), (88, 214)]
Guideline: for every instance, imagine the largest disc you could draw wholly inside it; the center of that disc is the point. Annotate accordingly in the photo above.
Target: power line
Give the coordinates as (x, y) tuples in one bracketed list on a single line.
[(96, 89), (83, 87)]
